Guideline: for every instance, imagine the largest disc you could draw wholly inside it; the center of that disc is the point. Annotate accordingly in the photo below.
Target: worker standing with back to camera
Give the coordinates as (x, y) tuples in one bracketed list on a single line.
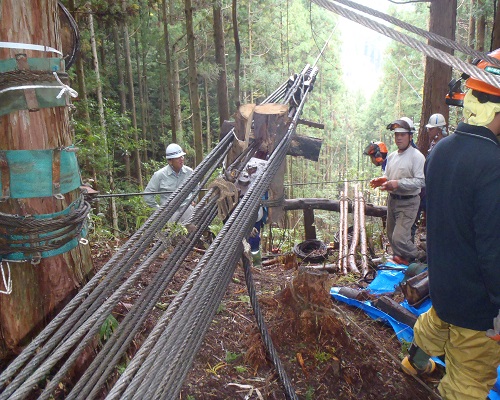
[(403, 179), (463, 247)]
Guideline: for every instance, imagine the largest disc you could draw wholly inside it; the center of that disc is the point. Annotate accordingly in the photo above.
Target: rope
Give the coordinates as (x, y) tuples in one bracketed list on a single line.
[(268, 343), (429, 51), (34, 235)]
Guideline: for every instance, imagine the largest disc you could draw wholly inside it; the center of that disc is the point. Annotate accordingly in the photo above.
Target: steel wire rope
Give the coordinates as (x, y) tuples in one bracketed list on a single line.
[(170, 377), (116, 261), (229, 243), (421, 32), (264, 333), (430, 51), (100, 319), (146, 365), (144, 349), (97, 373), (284, 144), (101, 315)]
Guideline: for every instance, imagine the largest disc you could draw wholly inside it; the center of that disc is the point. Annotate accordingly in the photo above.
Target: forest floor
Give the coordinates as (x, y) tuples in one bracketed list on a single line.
[(328, 349)]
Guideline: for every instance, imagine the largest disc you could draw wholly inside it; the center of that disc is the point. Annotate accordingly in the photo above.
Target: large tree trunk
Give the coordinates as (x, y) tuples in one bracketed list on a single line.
[(443, 15), (40, 291), (220, 60), (193, 85)]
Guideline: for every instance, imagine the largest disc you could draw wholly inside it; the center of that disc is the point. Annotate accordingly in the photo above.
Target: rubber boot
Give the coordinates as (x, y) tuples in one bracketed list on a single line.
[(417, 362)]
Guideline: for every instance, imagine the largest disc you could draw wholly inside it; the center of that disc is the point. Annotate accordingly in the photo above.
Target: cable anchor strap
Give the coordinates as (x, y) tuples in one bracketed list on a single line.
[(28, 46), (228, 196), (6, 279)]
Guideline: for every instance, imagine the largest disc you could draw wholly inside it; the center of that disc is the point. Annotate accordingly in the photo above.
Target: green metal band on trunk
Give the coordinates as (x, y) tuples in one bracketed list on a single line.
[(31, 172), (39, 74)]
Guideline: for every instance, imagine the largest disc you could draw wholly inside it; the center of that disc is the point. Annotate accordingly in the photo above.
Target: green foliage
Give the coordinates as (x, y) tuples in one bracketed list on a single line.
[(230, 356), (107, 329), (309, 395)]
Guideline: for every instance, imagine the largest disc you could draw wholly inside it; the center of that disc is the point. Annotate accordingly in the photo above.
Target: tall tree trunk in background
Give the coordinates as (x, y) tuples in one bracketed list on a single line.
[(177, 95), (207, 113), (495, 35), (193, 85), (142, 100), (40, 291), (82, 95), (220, 60), (443, 16), (471, 40), (250, 45), (121, 90), (119, 71), (481, 26), (102, 121), (237, 50), (168, 69), (130, 79)]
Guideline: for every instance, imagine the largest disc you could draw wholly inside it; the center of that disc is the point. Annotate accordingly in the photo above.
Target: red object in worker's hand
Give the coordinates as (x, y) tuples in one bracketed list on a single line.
[(377, 182)]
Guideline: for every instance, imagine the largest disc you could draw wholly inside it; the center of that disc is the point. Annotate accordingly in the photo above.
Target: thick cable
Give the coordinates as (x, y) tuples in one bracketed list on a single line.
[(422, 32), (429, 51)]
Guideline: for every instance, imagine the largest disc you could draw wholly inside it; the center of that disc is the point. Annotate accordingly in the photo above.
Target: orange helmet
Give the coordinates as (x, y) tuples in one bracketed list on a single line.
[(377, 152), (486, 91)]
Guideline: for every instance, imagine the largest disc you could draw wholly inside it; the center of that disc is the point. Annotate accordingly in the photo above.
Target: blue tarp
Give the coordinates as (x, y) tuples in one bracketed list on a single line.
[(385, 282)]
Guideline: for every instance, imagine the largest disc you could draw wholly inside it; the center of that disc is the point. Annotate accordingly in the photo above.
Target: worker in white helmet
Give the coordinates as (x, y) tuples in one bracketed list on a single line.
[(168, 179), (436, 128), (403, 179)]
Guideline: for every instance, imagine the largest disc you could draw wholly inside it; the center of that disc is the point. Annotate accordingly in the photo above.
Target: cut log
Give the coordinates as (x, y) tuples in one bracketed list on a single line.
[(305, 146), (271, 123), (395, 310), (330, 205)]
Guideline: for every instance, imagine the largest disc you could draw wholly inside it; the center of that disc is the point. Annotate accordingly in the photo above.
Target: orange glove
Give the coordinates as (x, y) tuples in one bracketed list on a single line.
[(376, 182)]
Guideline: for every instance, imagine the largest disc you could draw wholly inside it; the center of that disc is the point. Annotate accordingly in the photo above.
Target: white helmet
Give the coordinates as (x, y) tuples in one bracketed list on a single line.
[(436, 120), (410, 123), (174, 151)]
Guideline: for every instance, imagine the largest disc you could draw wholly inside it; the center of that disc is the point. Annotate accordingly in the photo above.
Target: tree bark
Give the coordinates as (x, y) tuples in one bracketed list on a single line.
[(220, 60), (443, 15), (102, 121), (193, 85), (130, 79), (237, 55), (481, 27), (471, 39), (168, 70), (495, 35), (40, 291)]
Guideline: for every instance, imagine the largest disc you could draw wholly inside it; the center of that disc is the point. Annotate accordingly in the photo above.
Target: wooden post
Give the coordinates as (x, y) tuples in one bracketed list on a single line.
[(309, 227), (40, 291)]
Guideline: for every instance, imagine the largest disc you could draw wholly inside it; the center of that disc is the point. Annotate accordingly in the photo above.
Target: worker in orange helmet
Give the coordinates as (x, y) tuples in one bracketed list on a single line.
[(463, 248), (378, 153)]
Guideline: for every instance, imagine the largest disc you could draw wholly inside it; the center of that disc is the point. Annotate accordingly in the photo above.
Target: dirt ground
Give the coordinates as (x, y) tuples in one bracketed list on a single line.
[(328, 349)]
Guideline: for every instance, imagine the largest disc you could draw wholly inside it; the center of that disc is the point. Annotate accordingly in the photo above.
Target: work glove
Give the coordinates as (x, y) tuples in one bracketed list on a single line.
[(494, 333), (376, 182)]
